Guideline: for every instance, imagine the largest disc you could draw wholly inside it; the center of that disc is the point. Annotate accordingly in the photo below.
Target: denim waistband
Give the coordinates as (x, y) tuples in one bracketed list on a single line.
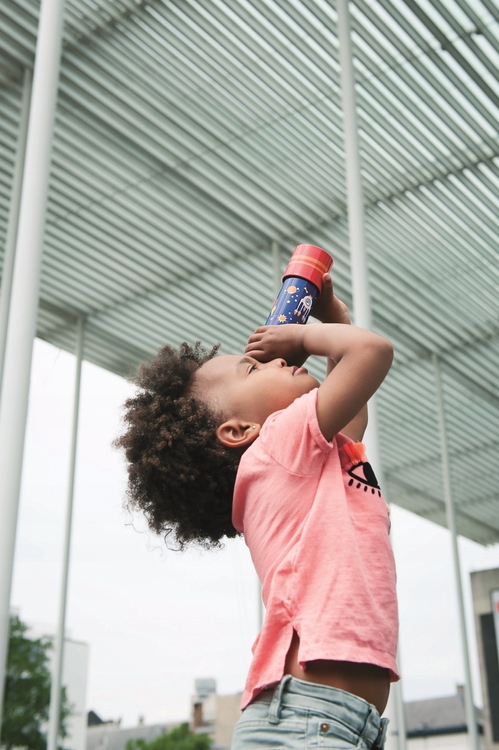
[(362, 717)]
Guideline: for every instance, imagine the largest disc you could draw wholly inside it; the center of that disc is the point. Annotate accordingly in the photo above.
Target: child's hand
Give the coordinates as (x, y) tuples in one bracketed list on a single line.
[(328, 308), (273, 342)]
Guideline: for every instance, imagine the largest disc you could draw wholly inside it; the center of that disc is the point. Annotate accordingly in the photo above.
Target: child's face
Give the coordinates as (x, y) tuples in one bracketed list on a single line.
[(248, 390)]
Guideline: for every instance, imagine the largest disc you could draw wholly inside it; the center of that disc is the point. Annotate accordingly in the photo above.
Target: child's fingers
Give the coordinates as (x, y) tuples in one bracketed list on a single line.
[(256, 352), (257, 334), (254, 337), (260, 342), (260, 330), (254, 345)]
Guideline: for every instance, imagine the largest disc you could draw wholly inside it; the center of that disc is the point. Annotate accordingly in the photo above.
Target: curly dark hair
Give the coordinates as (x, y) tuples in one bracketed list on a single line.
[(179, 474)]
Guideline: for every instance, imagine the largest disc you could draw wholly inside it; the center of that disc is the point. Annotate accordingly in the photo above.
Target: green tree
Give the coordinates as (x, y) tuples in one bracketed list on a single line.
[(27, 691), (180, 738)]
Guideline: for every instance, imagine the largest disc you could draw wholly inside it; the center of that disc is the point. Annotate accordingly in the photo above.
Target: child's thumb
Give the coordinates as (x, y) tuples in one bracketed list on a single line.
[(327, 283)]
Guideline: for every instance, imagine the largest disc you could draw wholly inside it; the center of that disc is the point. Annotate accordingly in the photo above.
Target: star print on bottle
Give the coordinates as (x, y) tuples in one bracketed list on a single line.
[(301, 285), (294, 303)]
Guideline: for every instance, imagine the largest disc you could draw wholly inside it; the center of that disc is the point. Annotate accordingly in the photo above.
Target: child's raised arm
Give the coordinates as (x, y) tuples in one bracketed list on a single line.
[(362, 360), (330, 309)]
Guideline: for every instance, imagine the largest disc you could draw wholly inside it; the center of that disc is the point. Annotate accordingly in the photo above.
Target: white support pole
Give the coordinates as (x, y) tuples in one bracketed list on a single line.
[(358, 255), (259, 605), (355, 204), (451, 524), (55, 692), (24, 299), (15, 201), (355, 198), (276, 267)]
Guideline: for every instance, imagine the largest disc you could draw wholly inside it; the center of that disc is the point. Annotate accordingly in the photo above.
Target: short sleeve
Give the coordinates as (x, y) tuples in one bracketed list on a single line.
[(292, 437)]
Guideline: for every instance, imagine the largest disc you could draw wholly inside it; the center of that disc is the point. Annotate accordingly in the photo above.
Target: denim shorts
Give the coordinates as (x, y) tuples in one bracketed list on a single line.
[(298, 715)]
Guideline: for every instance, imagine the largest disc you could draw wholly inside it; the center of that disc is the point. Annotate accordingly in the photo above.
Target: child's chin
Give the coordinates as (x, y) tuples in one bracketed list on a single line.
[(311, 384)]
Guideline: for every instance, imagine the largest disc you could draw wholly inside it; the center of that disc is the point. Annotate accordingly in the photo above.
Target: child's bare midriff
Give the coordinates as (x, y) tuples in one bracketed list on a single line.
[(367, 681)]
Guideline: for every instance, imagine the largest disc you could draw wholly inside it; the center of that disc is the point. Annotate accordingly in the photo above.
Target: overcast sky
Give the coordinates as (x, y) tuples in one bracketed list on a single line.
[(154, 619)]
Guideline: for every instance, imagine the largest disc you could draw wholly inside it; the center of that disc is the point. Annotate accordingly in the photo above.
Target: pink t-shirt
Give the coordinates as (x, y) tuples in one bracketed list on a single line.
[(317, 528)]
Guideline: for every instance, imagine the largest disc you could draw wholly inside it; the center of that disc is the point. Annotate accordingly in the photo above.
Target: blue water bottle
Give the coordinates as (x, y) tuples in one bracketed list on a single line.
[(302, 285)]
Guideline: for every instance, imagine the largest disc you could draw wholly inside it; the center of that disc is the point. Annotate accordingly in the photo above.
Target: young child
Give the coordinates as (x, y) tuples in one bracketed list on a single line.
[(253, 444)]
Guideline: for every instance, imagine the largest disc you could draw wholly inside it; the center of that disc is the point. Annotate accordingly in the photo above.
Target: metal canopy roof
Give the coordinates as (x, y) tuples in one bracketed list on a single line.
[(191, 134)]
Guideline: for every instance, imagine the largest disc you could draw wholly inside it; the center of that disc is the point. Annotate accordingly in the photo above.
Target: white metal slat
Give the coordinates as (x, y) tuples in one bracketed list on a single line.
[(183, 194), (445, 67), (203, 182), (236, 144)]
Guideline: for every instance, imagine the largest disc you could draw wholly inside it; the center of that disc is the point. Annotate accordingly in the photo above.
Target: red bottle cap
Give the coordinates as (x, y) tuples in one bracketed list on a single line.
[(309, 262)]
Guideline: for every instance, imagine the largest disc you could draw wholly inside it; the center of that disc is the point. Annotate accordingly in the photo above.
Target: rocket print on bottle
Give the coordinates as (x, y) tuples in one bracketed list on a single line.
[(295, 306)]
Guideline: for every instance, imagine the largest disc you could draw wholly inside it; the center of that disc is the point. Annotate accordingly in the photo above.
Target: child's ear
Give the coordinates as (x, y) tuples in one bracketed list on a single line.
[(236, 434)]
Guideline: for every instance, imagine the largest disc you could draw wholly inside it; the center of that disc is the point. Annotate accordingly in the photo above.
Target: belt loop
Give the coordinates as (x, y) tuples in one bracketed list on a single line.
[(380, 740), (276, 703), (370, 728)]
